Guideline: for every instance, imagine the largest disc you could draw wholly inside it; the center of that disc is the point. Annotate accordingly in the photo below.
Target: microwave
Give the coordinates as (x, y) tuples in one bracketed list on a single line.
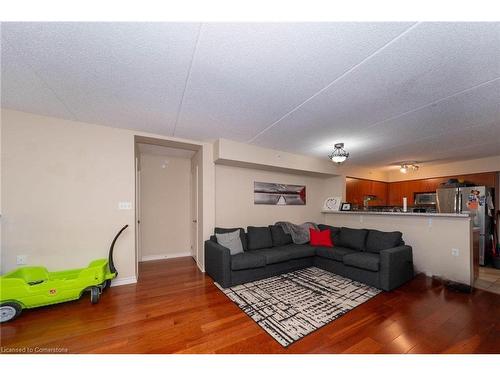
[(425, 199)]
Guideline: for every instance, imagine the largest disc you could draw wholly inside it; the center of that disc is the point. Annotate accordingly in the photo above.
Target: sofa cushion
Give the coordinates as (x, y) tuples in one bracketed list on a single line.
[(231, 240), (274, 255), (279, 236), (377, 240), (352, 238), (298, 251), (364, 260), (334, 232), (259, 238), (243, 235), (247, 260), (336, 253)]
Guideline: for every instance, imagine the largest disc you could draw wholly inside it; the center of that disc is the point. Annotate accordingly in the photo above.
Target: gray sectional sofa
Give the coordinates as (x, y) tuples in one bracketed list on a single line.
[(379, 259)]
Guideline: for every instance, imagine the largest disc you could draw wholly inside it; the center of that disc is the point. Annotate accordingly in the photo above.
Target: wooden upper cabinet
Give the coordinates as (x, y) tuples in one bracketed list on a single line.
[(379, 189), (391, 194), (480, 179), (395, 194), (400, 189), (430, 185), (354, 190), (357, 189)]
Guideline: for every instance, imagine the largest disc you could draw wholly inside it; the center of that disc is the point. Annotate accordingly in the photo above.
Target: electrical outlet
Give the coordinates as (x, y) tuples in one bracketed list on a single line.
[(21, 260), (455, 252), (430, 222), (124, 205)]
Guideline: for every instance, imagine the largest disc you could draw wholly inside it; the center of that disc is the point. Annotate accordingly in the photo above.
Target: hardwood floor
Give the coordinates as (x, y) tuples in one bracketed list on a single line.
[(176, 309), (489, 279)]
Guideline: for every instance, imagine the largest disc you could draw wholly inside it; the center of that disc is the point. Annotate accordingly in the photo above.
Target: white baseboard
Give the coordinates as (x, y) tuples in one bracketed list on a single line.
[(123, 281), (145, 258), (202, 269)]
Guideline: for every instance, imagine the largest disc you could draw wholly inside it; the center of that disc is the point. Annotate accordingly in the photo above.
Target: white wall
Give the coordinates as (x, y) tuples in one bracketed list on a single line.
[(235, 198), (242, 154), (61, 184), (165, 206), (431, 241)]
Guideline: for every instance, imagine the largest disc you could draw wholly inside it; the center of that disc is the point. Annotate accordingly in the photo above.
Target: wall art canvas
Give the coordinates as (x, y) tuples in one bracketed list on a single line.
[(279, 194)]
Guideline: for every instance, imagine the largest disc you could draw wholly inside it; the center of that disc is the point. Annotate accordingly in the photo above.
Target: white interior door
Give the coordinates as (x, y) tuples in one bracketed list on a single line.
[(194, 212)]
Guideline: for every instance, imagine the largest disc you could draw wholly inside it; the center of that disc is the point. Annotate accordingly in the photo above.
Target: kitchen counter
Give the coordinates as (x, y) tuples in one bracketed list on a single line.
[(441, 243), (428, 214)]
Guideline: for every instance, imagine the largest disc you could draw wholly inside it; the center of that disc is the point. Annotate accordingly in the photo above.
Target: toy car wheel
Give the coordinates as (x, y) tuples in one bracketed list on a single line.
[(95, 293), (9, 311)]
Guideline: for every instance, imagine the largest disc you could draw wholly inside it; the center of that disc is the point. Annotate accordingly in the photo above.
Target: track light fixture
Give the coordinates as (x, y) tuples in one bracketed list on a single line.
[(409, 166)]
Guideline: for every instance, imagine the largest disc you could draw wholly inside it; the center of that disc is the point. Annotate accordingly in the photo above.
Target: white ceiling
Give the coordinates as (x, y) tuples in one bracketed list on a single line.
[(389, 91)]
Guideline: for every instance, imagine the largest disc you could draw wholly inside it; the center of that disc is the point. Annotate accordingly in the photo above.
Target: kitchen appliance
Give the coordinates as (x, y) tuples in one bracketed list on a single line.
[(472, 200), (425, 199)]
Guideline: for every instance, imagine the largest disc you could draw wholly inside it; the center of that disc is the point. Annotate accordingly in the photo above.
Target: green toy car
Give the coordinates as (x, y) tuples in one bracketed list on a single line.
[(28, 287)]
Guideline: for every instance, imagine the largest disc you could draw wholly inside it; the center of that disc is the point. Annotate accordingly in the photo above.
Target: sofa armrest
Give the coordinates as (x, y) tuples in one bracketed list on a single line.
[(218, 263), (396, 266)]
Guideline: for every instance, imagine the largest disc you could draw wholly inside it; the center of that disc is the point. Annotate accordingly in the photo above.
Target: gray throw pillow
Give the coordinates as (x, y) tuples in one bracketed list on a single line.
[(231, 240)]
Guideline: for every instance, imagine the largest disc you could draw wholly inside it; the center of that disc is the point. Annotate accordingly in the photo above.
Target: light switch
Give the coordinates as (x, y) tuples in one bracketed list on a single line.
[(21, 260), (124, 205)]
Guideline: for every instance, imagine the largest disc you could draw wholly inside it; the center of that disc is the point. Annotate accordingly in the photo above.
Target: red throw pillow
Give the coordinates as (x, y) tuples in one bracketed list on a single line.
[(320, 238)]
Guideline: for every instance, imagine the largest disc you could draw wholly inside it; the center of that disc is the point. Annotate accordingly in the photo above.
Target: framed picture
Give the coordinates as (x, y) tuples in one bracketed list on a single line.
[(279, 194), (345, 207), (332, 204)]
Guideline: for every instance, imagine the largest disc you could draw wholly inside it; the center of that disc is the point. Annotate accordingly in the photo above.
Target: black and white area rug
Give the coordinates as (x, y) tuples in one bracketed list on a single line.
[(292, 305)]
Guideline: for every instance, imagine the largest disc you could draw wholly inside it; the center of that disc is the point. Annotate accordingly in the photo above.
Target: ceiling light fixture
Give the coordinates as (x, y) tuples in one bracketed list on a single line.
[(339, 155), (409, 166)]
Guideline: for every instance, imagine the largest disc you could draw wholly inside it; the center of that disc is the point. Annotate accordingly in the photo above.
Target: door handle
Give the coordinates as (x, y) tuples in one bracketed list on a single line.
[(195, 221)]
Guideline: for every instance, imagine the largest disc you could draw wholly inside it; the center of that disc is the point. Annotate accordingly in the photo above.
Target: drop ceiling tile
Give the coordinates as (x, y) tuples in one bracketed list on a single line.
[(127, 75), (429, 63), (246, 76), (452, 144), (452, 117), (479, 106), (22, 89), (485, 149)]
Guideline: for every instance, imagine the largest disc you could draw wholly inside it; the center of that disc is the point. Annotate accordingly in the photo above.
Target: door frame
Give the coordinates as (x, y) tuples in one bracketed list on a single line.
[(194, 202), (137, 215), (203, 156)]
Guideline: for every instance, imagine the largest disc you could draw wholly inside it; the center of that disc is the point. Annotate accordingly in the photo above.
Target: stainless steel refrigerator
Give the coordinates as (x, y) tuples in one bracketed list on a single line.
[(473, 200)]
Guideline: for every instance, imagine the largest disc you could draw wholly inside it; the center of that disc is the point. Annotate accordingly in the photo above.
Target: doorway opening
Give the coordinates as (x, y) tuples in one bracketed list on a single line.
[(167, 196)]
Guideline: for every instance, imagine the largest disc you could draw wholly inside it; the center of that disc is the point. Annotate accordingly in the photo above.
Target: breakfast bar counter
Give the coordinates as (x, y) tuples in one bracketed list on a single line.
[(430, 214), (442, 243)]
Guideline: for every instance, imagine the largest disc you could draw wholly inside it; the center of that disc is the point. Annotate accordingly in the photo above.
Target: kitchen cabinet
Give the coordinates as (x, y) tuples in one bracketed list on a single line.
[(357, 189), (398, 190), (392, 193)]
